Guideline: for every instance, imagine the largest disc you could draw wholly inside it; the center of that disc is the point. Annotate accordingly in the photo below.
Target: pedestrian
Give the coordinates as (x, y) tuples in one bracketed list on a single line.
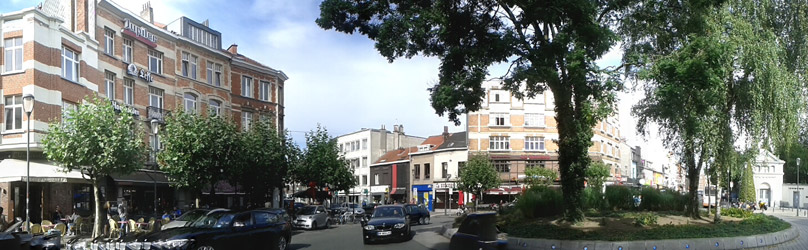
[(122, 212), (3, 223), (166, 215), (57, 215), (71, 220), (177, 212)]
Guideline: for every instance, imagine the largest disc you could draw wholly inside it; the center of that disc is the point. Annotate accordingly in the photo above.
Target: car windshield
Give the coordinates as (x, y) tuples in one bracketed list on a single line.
[(192, 215), (388, 212), (214, 220), (353, 205), (308, 210)]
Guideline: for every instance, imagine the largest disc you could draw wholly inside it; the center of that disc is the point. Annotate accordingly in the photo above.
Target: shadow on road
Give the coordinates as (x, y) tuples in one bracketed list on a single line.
[(299, 246)]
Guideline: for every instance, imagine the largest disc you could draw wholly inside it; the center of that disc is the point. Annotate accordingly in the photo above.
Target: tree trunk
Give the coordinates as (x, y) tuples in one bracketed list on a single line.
[(718, 205), (97, 199), (693, 176), (574, 139)]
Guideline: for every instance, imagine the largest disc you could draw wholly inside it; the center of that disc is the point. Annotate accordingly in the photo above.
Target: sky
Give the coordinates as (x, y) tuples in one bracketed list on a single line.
[(338, 80)]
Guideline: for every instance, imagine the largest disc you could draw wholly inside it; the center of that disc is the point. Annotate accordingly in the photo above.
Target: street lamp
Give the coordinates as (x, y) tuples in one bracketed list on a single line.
[(446, 202), (155, 126), (28, 107), (798, 186)]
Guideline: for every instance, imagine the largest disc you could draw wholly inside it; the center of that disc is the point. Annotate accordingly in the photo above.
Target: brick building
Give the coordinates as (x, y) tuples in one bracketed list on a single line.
[(62, 51)]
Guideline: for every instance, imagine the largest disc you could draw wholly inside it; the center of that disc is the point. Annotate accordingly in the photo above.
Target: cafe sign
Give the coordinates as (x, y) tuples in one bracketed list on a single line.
[(126, 109), (142, 73), (141, 33)]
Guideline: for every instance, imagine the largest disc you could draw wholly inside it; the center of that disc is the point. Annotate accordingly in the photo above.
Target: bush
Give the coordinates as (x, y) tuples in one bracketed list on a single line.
[(667, 200), (620, 197), (540, 201), (593, 199), (736, 212), (646, 219)]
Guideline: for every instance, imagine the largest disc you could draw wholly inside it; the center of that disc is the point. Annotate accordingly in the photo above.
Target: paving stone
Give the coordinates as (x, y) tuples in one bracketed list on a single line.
[(620, 245), (603, 245)]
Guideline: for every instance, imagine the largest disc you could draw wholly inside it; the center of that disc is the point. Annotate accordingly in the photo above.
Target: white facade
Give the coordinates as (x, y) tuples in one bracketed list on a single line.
[(364, 147), (794, 195), (768, 172)]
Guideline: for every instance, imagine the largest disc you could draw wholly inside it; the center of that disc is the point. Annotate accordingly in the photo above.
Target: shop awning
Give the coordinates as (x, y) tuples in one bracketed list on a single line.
[(504, 191), (142, 177), (15, 170)]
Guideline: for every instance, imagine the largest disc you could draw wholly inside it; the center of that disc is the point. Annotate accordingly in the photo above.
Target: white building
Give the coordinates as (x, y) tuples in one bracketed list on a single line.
[(363, 147), (768, 172)]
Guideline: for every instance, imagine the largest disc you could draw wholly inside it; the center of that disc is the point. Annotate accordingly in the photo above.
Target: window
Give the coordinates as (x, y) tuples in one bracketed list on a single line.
[(499, 143), (500, 119), (534, 120), (109, 83), (66, 108), (215, 107), (364, 143), (189, 62), (190, 103), (185, 63), (13, 112), (129, 91), (217, 74), (496, 97), (502, 166), (460, 166), (602, 147), (246, 119), (127, 50), (280, 95), (109, 41), (534, 164), (427, 170), (155, 62), (534, 143), (416, 171), (364, 161), (156, 97), (263, 90), (209, 72), (246, 86), (445, 167), (70, 65), (376, 179), (13, 54), (194, 60), (364, 179)]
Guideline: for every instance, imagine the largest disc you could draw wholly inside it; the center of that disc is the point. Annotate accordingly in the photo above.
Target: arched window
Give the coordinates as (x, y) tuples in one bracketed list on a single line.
[(215, 107), (190, 103)]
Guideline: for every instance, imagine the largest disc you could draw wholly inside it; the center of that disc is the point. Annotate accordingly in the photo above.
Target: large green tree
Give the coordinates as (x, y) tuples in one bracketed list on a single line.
[(268, 156), (198, 151), (478, 175), (548, 44), (322, 163), (715, 72), (98, 142), (747, 193)]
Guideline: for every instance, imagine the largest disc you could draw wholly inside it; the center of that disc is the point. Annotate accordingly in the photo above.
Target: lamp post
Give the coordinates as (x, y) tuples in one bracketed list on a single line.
[(798, 186), (446, 202), (155, 126), (28, 106)]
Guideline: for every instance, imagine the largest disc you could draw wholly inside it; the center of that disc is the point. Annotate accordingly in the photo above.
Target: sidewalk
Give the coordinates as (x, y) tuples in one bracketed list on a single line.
[(801, 223)]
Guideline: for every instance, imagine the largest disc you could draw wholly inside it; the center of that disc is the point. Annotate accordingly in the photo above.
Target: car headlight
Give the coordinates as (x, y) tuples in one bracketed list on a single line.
[(399, 225), (134, 245), (170, 244), (369, 227)]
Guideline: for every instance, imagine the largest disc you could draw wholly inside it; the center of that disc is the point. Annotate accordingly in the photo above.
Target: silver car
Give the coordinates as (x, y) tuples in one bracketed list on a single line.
[(311, 217)]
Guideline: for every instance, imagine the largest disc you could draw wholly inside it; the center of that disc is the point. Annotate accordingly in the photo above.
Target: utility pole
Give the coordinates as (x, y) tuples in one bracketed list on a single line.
[(799, 193)]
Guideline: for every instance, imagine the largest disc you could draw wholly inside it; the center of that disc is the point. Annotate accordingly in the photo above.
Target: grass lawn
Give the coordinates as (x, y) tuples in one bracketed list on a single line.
[(621, 226)]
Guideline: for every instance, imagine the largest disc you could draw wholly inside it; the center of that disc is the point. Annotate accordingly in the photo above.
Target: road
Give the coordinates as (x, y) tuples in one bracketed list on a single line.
[(350, 237), (789, 215)]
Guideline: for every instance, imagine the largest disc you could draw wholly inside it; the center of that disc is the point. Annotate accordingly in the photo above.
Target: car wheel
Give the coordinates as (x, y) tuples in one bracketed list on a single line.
[(426, 220), (327, 224), (313, 225), (205, 248), (282, 243), (421, 221)]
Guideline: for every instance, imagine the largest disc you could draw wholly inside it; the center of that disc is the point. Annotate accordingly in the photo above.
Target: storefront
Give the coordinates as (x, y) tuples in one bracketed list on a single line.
[(378, 193), (423, 194), (143, 190), (49, 185)]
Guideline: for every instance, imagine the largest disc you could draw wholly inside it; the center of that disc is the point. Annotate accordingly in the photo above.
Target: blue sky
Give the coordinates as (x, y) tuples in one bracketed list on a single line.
[(335, 79)]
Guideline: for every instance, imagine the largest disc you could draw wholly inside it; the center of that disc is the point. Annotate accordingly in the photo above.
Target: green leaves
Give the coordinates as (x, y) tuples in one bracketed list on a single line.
[(478, 175), (323, 164)]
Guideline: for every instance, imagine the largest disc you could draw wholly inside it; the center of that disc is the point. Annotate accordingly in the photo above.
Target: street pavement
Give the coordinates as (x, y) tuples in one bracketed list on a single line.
[(801, 222), (349, 236)]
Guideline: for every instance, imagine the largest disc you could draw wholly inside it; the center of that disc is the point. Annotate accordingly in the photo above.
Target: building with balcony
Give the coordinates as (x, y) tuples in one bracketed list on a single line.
[(520, 134), (63, 51)]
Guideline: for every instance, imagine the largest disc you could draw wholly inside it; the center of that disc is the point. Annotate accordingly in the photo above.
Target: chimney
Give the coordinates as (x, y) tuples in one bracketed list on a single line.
[(147, 12), (383, 140), (396, 136), (233, 49), (206, 23), (445, 133)]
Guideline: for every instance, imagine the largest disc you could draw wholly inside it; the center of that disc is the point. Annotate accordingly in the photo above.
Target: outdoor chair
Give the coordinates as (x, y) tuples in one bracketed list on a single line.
[(166, 221), (61, 227), (114, 230), (36, 229), (47, 223), (140, 220), (133, 228), (151, 226)]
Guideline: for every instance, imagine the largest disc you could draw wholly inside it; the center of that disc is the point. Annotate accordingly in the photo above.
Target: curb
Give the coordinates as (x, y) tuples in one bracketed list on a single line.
[(740, 242), (447, 231)]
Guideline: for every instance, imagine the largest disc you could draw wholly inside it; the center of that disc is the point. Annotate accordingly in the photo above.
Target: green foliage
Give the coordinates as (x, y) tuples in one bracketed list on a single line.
[(322, 163), (540, 201), (736, 212), (747, 186), (789, 154), (540, 176), (646, 219), (656, 200), (596, 175), (199, 151), (268, 157), (478, 175), (593, 199), (620, 197), (549, 45), (96, 141)]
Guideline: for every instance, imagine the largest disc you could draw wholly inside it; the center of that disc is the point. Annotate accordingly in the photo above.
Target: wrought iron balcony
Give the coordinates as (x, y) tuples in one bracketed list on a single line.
[(156, 113)]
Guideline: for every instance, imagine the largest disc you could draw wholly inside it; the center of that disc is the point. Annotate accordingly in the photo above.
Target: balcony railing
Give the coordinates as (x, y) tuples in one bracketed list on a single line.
[(156, 113)]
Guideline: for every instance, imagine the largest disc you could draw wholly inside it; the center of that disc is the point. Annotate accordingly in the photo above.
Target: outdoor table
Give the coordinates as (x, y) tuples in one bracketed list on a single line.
[(47, 227)]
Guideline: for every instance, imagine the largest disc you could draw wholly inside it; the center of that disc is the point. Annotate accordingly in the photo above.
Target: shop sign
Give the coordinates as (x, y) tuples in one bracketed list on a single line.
[(445, 185), (144, 74), (141, 33), (378, 189), (126, 109)]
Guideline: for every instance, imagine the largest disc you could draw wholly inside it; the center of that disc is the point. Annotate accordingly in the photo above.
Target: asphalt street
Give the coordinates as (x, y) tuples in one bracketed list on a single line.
[(350, 237)]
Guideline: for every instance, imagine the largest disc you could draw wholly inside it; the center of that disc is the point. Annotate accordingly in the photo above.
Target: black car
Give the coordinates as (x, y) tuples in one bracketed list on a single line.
[(418, 214), (387, 222), (254, 229), (478, 231)]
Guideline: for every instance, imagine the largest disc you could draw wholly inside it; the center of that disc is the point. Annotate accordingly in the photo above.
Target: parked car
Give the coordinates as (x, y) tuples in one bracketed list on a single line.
[(224, 230), (190, 217), (418, 214), (354, 208), (478, 231), (312, 217), (388, 222)]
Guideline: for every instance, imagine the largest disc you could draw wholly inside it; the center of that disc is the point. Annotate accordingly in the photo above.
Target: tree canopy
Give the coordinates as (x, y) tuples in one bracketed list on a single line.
[(323, 164), (268, 156), (478, 175), (96, 141)]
